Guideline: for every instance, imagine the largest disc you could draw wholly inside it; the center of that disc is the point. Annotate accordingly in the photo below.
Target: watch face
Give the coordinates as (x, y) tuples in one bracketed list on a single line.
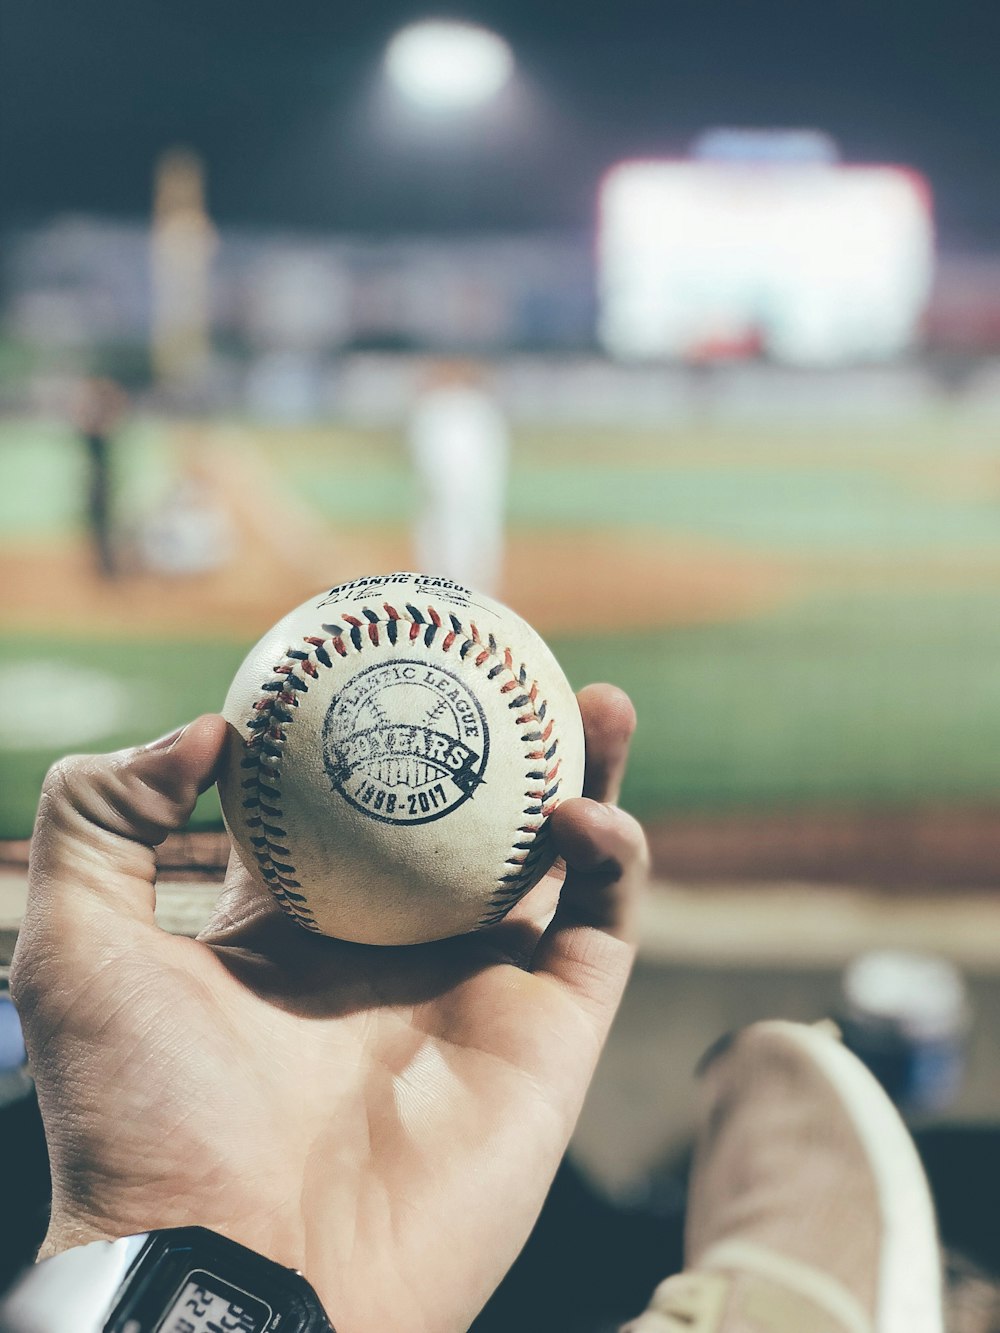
[(207, 1304)]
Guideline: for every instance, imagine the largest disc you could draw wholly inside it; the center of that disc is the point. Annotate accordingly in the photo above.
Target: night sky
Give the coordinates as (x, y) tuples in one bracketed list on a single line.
[(283, 99)]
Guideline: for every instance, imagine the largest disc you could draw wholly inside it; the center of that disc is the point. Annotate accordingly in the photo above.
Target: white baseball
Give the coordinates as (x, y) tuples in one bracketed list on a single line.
[(397, 746)]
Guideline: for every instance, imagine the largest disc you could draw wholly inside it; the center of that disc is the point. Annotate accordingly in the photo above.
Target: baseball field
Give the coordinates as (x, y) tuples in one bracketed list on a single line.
[(807, 616)]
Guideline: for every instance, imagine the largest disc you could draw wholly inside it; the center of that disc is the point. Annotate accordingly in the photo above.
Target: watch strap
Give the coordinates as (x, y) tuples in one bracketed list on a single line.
[(73, 1290)]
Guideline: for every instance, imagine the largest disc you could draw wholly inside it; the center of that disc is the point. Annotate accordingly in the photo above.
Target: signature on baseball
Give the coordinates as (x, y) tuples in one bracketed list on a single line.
[(380, 585)]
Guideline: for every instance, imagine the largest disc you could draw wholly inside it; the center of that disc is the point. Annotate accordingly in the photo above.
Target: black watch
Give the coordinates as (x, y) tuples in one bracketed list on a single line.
[(186, 1280)]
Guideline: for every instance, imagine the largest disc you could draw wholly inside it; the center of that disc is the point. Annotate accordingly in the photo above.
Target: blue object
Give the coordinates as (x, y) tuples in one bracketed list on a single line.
[(12, 1052)]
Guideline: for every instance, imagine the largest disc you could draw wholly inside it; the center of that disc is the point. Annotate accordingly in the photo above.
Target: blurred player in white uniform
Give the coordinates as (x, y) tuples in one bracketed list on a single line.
[(459, 443)]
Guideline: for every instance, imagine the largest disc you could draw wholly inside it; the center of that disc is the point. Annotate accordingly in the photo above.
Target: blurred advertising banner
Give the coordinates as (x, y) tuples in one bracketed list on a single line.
[(805, 262)]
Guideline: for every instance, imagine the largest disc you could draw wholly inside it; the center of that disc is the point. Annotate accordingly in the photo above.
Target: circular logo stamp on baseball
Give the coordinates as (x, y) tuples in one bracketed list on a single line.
[(405, 742)]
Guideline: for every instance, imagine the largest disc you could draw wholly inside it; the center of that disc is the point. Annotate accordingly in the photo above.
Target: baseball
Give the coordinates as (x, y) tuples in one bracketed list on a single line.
[(397, 746)]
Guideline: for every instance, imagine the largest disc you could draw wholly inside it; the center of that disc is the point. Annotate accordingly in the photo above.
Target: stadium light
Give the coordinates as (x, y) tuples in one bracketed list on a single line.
[(441, 65)]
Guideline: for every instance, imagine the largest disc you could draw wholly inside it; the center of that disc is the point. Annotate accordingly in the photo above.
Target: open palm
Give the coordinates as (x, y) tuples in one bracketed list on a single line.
[(386, 1120)]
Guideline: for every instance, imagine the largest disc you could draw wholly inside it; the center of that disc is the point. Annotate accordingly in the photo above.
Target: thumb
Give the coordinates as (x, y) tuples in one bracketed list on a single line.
[(101, 816)]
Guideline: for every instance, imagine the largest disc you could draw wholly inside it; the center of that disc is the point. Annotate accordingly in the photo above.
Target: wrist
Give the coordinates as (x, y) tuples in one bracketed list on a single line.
[(67, 1231), (277, 1241)]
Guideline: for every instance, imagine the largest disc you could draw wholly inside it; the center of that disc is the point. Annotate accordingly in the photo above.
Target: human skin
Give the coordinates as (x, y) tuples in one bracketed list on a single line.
[(386, 1120)]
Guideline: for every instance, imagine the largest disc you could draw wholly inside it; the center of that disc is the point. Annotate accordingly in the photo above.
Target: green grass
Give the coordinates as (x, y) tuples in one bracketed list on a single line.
[(767, 509), (44, 471), (876, 490), (845, 702), (163, 685), (892, 488), (872, 701)]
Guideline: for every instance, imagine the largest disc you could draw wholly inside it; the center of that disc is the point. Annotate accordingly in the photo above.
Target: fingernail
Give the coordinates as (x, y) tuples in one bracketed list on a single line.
[(715, 1052), (165, 742)]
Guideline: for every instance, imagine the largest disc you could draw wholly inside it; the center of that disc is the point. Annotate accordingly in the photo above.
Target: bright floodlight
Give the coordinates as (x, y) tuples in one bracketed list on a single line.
[(447, 66)]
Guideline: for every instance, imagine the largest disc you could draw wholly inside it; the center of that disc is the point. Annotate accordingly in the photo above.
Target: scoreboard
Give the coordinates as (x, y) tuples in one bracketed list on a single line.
[(812, 263)]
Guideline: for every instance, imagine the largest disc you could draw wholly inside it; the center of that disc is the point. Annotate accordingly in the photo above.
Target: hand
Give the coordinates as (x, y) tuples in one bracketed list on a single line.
[(386, 1120)]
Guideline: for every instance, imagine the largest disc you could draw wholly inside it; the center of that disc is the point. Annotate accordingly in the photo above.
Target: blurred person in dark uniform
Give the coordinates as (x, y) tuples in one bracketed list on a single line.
[(99, 407)]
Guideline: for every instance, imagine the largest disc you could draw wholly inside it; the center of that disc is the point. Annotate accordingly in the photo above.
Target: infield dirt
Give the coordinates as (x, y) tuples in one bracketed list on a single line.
[(563, 582)]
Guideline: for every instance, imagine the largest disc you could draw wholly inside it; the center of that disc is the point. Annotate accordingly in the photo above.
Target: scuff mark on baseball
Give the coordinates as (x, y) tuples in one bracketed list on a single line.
[(397, 747)]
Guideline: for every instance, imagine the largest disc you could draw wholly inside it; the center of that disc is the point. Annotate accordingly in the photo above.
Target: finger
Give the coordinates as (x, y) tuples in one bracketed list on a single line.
[(100, 818), (608, 724), (589, 944)]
